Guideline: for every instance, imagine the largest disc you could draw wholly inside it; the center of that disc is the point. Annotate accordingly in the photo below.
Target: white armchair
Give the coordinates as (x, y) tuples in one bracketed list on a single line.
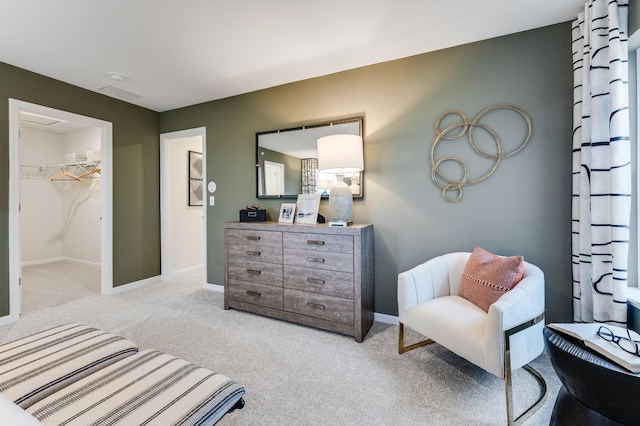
[(505, 338)]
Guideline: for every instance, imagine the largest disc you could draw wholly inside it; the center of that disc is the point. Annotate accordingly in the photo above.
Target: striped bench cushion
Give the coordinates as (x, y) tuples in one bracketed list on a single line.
[(148, 388), (38, 365)]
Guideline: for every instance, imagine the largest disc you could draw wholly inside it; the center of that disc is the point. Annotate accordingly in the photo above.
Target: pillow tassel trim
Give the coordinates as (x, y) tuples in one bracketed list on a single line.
[(487, 283)]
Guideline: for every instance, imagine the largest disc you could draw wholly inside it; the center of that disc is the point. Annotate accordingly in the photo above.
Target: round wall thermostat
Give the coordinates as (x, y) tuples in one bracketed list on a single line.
[(212, 187)]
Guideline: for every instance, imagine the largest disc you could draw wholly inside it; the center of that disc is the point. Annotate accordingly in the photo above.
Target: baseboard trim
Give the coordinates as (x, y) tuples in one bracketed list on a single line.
[(214, 287), (59, 259), (385, 318), (135, 284), (180, 273)]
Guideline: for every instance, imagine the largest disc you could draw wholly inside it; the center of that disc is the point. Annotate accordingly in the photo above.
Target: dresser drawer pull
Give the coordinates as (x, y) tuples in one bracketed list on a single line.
[(315, 281), (315, 259), (316, 306), (253, 293), (253, 272), (253, 237), (253, 253), (316, 242)]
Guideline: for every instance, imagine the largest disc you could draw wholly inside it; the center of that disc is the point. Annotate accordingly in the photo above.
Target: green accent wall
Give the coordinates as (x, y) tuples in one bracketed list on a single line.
[(136, 183), (634, 16), (523, 208)]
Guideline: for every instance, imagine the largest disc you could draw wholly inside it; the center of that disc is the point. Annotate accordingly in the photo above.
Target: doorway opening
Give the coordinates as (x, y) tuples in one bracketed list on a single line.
[(273, 178), (60, 205), (183, 221)]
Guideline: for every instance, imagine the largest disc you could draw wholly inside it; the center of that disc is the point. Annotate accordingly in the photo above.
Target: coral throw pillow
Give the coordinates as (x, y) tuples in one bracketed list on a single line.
[(487, 276)]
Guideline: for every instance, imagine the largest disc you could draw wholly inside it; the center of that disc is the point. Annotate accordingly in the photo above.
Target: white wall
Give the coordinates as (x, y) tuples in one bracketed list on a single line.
[(187, 221), (40, 203), (58, 219), (82, 203)]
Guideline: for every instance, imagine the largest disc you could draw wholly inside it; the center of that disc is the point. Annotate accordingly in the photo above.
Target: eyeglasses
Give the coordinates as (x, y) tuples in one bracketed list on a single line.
[(627, 344)]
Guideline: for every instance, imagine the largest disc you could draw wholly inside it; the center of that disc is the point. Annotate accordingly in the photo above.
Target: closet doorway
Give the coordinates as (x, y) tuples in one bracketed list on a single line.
[(60, 202), (182, 201)]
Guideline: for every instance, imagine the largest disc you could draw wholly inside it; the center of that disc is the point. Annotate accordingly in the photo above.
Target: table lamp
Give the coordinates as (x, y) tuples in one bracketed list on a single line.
[(340, 154)]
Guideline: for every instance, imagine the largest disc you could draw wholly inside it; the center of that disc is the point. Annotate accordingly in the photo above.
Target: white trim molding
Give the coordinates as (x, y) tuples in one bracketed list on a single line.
[(166, 227), (135, 284), (106, 185), (214, 287), (385, 318)]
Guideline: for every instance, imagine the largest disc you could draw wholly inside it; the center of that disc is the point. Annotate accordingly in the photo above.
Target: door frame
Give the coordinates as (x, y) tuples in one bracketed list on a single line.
[(166, 217), (106, 195)]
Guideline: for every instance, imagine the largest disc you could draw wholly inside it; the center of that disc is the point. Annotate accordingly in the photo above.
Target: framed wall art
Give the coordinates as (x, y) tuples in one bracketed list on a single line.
[(196, 191)]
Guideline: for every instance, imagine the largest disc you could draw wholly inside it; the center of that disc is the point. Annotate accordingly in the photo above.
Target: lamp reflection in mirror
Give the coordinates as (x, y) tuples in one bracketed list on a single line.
[(340, 154), (354, 187), (324, 185)]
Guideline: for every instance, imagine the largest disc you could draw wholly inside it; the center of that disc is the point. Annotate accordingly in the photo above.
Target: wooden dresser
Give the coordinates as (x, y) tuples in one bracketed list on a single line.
[(314, 275)]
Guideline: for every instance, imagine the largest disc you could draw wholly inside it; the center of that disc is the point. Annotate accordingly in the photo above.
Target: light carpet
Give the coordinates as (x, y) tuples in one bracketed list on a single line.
[(296, 375), (55, 283)]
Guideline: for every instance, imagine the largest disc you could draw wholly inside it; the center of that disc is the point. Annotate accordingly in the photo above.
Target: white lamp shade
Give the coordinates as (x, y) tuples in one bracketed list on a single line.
[(340, 154), (324, 184)]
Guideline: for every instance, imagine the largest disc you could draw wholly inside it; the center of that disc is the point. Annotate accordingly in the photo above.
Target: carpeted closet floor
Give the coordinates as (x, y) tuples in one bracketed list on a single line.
[(56, 283)]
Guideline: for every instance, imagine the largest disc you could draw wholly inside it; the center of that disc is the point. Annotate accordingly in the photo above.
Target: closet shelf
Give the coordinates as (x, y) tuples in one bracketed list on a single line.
[(62, 172)]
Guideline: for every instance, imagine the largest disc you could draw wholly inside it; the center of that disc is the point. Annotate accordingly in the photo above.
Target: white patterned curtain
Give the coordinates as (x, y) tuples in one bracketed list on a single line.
[(309, 172), (601, 163)]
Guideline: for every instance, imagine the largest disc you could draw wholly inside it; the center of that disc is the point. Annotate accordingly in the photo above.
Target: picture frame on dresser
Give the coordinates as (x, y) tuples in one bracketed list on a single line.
[(307, 208), (287, 212)]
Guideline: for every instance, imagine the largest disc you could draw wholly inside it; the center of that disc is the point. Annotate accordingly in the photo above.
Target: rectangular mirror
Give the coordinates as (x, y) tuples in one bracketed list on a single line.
[(287, 161)]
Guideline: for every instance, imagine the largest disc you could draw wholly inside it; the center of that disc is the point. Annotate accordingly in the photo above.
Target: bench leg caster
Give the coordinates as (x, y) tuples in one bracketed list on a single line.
[(238, 405)]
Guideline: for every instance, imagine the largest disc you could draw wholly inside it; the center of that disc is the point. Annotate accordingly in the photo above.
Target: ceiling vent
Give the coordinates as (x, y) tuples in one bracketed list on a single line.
[(120, 93)]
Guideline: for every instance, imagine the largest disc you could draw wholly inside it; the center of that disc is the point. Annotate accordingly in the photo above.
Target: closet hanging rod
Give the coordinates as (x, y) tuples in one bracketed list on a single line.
[(66, 171)]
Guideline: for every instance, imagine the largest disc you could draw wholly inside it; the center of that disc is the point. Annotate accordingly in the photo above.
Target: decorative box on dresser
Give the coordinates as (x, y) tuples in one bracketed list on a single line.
[(314, 275)]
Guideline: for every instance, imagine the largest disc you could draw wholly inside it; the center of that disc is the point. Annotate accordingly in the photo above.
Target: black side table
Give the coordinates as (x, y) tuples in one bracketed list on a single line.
[(594, 390)]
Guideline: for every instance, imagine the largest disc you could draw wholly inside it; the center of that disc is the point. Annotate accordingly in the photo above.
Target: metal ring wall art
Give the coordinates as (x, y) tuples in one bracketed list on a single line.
[(468, 127)]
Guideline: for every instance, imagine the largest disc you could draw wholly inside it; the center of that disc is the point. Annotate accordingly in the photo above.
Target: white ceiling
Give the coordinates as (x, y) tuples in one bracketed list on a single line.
[(179, 53), (48, 124)]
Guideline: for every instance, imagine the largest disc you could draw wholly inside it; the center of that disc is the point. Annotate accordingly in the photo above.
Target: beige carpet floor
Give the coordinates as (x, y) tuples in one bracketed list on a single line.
[(296, 375), (55, 283)]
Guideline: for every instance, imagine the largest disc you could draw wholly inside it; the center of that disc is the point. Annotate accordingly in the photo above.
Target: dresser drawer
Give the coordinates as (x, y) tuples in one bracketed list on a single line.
[(319, 306), (255, 253), (256, 237), (332, 283), (256, 272), (319, 242), (321, 260), (257, 294)]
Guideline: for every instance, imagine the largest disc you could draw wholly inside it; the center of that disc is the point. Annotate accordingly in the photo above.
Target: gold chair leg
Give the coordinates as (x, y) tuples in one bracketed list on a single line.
[(402, 348), (509, 394)]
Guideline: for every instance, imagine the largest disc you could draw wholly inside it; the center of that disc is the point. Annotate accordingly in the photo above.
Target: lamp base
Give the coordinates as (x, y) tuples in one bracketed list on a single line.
[(340, 201), (340, 223)]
